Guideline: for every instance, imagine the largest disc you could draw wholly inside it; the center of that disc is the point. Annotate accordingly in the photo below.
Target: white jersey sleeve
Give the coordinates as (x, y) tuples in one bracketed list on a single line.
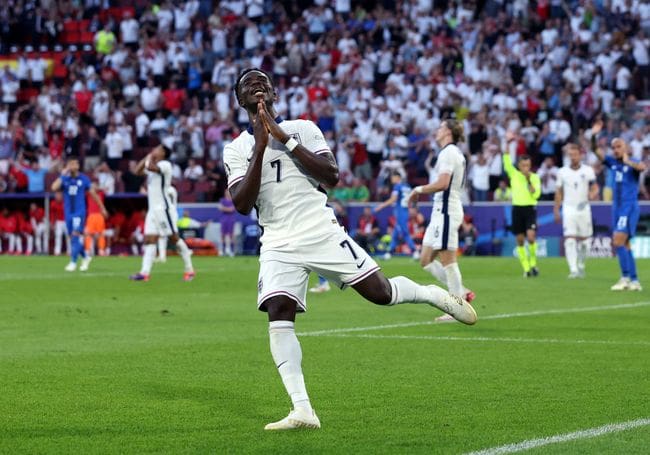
[(235, 161), (290, 205), (312, 137)]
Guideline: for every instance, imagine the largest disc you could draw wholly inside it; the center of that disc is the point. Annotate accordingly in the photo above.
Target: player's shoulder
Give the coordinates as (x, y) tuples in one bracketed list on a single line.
[(239, 145)]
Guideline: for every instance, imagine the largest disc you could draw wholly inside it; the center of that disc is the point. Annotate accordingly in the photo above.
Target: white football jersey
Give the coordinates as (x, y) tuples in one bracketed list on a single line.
[(575, 185), (291, 207), (158, 184), (450, 161)]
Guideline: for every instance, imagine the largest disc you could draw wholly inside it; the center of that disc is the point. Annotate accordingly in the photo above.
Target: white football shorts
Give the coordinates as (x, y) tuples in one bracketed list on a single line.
[(577, 223), (160, 222), (442, 232), (285, 270)]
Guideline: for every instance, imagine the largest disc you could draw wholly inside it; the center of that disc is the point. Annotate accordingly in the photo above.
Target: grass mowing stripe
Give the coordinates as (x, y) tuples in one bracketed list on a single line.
[(482, 318), (505, 340), (582, 434)]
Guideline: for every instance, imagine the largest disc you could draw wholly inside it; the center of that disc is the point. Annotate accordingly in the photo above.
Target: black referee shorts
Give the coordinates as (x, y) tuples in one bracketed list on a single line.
[(524, 218)]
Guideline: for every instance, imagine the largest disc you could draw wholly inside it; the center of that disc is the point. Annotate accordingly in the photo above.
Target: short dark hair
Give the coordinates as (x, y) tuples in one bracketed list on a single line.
[(523, 157), (167, 151), (72, 158), (244, 73)]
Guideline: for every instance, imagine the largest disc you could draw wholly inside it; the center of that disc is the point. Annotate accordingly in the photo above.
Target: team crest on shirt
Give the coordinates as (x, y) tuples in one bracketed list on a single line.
[(259, 286)]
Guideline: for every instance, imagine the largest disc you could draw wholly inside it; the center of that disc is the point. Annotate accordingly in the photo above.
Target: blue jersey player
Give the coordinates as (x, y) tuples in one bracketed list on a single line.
[(74, 186), (400, 198), (625, 206)]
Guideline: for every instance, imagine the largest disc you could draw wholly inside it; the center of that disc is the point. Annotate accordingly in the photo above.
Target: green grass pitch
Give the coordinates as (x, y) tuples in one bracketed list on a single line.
[(93, 363)]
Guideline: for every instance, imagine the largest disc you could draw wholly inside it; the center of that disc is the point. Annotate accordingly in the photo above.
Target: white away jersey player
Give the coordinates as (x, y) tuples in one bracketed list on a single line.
[(447, 210), (290, 207), (300, 233), (576, 211), (161, 214)]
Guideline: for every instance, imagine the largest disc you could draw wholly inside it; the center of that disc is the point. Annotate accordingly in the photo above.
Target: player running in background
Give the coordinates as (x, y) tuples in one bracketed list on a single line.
[(95, 226), (278, 166), (161, 215), (625, 205), (526, 189), (400, 198), (576, 185), (440, 240), (75, 185)]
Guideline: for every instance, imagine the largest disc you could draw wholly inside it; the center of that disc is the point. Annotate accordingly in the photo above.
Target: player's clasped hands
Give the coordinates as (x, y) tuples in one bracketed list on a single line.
[(260, 131), (269, 122)]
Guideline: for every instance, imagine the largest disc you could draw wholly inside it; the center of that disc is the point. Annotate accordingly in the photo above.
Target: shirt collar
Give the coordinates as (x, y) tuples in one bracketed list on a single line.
[(278, 120)]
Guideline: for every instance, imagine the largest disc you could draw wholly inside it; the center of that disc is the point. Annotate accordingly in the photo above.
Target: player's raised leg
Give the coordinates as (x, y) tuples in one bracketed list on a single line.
[(397, 290)]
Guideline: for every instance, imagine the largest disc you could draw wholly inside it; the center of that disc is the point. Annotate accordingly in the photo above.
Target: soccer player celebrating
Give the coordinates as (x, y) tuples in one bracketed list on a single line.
[(441, 237), (400, 197), (526, 189), (161, 215), (277, 166), (625, 206), (75, 185), (576, 185)]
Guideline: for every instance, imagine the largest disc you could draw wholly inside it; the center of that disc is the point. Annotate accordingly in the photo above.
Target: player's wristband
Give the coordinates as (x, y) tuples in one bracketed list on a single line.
[(291, 144), (418, 189)]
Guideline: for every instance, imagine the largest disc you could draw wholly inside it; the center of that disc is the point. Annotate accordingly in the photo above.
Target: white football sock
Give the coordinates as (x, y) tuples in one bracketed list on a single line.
[(436, 269), (148, 257), (186, 254), (407, 291), (454, 279), (287, 356), (583, 248), (571, 253), (162, 248)]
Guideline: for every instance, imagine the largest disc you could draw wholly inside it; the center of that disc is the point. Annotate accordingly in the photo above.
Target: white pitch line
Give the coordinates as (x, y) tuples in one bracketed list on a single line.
[(582, 434), (482, 318), (497, 339)]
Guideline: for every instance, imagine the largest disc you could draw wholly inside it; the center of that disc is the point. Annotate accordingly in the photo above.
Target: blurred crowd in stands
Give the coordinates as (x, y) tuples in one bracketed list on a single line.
[(107, 79)]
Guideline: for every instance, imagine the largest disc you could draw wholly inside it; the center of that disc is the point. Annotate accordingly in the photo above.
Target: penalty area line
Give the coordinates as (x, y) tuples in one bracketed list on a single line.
[(560, 438), (482, 318)]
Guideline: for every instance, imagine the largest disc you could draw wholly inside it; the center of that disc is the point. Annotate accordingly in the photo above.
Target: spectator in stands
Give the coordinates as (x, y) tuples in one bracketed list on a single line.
[(367, 231), (105, 40), (359, 192), (193, 171), (17, 179), (548, 175), (35, 177), (479, 176), (105, 179), (503, 192), (114, 144)]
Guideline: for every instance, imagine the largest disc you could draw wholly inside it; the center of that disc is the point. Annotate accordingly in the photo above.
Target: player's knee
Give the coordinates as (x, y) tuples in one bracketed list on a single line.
[(382, 295), (280, 309)]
